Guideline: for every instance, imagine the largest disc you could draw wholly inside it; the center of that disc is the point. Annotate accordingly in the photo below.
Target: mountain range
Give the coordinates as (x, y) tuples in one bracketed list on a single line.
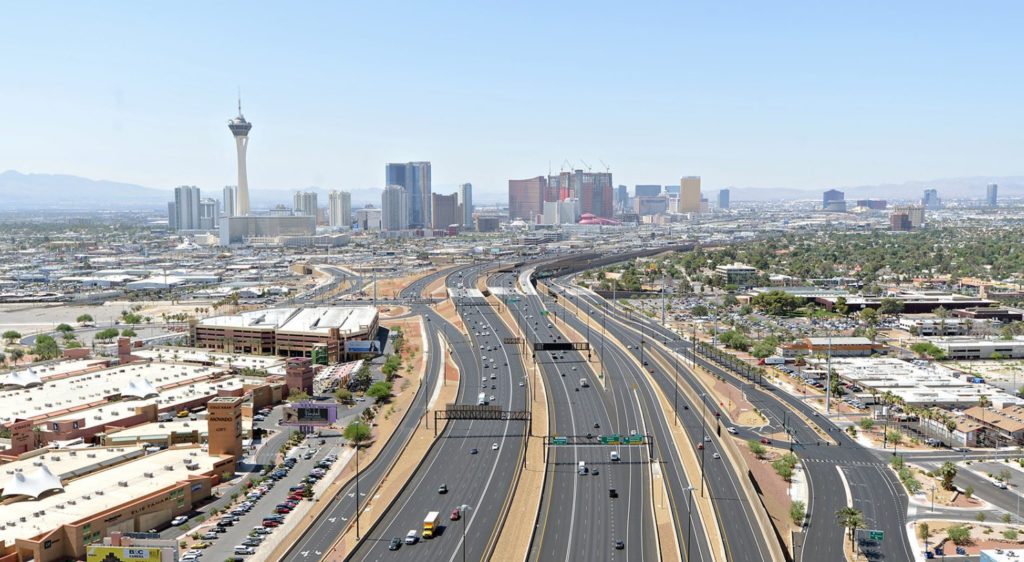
[(19, 191)]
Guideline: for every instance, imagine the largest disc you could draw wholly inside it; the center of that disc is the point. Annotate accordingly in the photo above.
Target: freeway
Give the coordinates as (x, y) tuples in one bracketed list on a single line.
[(481, 479), (579, 520), (742, 537), (874, 488)]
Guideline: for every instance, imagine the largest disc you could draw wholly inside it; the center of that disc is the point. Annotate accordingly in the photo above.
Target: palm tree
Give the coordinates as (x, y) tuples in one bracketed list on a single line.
[(984, 403), (851, 519)]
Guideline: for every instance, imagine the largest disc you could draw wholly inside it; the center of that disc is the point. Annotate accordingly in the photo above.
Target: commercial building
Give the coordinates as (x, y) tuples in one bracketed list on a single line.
[(395, 203), (689, 194), (415, 178), (873, 204), (133, 492), (339, 209), (326, 334), (466, 204), (304, 203), (931, 200), (647, 206), (976, 348), (186, 207), (594, 191), (487, 224), (368, 218), (228, 200), (836, 346), (239, 229), (833, 200), (723, 199), (444, 210), (934, 325), (992, 195), (646, 190), (910, 301), (900, 222), (526, 198), (566, 211), (736, 274), (915, 213), (621, 197), (209, 214)]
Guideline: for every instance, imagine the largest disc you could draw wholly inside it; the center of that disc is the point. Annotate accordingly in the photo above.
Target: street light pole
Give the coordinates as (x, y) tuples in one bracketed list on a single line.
[(675, 384), (703, 438), (357, 491), (463, 508), (689, 517)]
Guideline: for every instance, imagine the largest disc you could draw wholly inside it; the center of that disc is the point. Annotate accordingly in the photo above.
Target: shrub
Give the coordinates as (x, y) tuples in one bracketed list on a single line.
[(960, 534)]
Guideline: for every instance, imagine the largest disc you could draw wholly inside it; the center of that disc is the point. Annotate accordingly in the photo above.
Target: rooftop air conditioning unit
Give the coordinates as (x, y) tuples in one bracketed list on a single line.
[(72, 502), (122, 483), (90, 455), (99, 492), (147, 474)]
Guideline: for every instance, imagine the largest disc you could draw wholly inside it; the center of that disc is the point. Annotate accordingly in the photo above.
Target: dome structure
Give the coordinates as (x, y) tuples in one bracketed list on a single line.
[(139, 388), (22, 379)]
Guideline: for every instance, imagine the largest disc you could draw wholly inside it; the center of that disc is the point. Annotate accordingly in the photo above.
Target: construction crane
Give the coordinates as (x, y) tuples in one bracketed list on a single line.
[(585, 164), (564, 162), (607, 168)]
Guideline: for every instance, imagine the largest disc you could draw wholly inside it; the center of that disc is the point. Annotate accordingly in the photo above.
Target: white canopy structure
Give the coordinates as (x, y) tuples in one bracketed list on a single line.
[(32, 485), (22, 379), (139, 388)]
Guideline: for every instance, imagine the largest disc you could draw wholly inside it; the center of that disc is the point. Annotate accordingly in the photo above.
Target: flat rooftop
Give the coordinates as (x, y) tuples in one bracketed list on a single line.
[(55, 398), (197, 355), (100, 491), (70, 463), (349, 320), (111, 412), (159, 430), (49, 370)]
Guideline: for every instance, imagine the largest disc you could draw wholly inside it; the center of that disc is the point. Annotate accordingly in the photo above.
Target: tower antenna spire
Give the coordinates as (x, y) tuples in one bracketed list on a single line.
[(239, 100)]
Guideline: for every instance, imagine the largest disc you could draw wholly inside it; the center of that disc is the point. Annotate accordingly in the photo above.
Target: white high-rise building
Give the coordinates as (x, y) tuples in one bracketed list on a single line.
[(394, 208), (240, 129), (209, 213), (304, 203), (466, 204), (339, 209), (186, 207), (228, 201)]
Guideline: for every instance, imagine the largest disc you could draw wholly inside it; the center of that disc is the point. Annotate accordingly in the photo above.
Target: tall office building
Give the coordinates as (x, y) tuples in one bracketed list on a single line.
[(209, 213), (689, 194), (646, 190), (914, 213), (466, 205), (228, 201), (415, 178), (992, 195), (833, 200), (394, 213), (339, 209), (723, 199), (240, 129), (172, 216), (444, 210), (186, 205), (304, 203), (621, 197), (671, 190), (931, 199), (593, 189), (526, 198)]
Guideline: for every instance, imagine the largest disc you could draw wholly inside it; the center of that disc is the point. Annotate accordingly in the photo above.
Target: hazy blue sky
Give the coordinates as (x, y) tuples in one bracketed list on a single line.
[(797, 94)]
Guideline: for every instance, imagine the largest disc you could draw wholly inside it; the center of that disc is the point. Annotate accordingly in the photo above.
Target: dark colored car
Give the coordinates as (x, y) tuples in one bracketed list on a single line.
[(619, 545), (395, 544)]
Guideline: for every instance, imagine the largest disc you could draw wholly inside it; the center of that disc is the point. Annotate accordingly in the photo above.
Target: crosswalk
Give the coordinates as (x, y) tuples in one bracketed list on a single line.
[(845, 463)]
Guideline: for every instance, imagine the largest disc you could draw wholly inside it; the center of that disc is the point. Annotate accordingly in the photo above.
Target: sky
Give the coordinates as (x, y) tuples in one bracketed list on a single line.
[(751, 94)]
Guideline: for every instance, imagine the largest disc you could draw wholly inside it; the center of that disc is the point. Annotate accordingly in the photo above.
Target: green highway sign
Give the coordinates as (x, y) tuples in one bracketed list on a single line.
[(636, 439), (611, 439), (559, 441), (543, 313), (876, 535)]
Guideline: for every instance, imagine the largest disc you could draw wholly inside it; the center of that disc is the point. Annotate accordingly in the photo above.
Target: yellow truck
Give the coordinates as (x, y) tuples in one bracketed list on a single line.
[(430, 524)]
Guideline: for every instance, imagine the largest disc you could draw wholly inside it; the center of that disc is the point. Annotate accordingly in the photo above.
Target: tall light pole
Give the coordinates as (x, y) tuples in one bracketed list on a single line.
[(703, 439), (464, 508), (689, 517), (828, 377), (675, 383)]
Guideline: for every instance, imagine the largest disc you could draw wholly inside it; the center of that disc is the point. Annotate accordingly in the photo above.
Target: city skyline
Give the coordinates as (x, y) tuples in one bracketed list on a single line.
[(812, 125)]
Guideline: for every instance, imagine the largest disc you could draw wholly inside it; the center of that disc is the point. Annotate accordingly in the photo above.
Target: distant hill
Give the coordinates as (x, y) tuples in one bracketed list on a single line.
[(54, 191), (949, 188)]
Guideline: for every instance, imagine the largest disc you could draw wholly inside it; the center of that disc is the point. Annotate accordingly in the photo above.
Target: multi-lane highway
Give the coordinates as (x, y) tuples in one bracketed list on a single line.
[(476, 460), (874, 489)]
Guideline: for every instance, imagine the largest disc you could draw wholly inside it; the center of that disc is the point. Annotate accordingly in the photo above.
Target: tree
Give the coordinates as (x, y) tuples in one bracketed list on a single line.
[(968, 492), (297, 395), (928, 348), (392, 364), (65, 328), (890, 306), (756, 448), (344, 395), (363, 377), (16, 354), (869, 316), (960, 534), (840, 306), (797, 512), (763, 349), (379, 391), (866, 424), (947, 472), (851, 519), (699, 310), (46, 348), (923, 532), (84, 318), (1010, 534), (128, 333), (11, 336), (776, 303), (106, 334), (357, 433)]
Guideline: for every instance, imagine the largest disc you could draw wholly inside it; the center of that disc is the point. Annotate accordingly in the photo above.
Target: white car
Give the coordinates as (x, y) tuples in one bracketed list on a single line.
[(492, 398), (732, 430), (179, 520), (494, 446), (716, 456)]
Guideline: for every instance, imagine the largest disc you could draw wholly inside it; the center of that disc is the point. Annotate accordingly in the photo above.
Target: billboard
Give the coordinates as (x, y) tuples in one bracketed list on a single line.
[(310, 414), (123, 553), (361, 346)]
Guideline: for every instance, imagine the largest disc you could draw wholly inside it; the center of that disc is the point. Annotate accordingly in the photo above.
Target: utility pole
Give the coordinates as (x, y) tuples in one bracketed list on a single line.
[(828, 377)]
